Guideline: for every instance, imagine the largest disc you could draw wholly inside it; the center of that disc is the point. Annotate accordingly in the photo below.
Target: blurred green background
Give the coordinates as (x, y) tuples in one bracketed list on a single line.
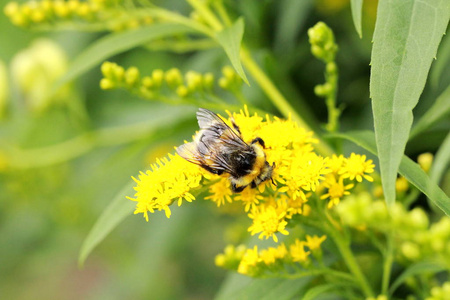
[(62, 160)]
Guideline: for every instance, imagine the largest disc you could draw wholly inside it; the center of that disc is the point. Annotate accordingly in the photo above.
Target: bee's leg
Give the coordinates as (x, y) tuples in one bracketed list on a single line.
[(236, 189), (253, 185), (211, 170), (259, 141), (235, 126)]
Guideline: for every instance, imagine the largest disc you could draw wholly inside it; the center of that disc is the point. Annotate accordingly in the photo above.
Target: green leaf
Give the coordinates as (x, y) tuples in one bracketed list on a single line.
[(435, 113), (409, 169), (290, 21), (406, 38), (116, 43), (230, 39), (356, 6), (115, 213), (241, 287), (442, 60), (416, 269), (441, 161), (318, 290)]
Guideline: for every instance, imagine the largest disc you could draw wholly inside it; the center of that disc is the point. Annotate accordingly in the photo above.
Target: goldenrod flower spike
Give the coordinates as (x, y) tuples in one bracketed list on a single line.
[(170, 179)]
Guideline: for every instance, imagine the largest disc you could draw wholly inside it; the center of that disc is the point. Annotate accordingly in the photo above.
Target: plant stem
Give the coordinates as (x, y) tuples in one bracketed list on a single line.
[(350, 260), (387, 265), (276, 97), (206, 13)]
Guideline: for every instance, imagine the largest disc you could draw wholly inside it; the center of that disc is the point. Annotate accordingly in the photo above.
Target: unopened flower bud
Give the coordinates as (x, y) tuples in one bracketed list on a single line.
[(425, 160)]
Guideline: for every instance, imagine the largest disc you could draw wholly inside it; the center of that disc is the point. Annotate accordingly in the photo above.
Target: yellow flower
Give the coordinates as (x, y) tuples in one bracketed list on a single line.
[(336, 190), (335, 163), (297, 251), (267, 221), (314, 242), (220, 192), (356, 166), (250, 259), (249, 197), (168, 180)]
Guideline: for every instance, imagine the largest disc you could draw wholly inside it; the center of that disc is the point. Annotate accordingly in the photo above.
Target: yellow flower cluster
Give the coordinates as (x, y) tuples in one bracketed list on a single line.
[(168, 180), (348, 169), (299, 174), (254, 262)]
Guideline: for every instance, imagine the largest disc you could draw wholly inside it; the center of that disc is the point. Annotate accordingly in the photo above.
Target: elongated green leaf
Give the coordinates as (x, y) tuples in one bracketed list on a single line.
[(406, 38), (356, 6), (409, 169), (316, 291), (116, 43), (115, 213), (441, 161), (241, 287), (437, 112), (442, 60), (290, 21), (416, 269), (230, 39)]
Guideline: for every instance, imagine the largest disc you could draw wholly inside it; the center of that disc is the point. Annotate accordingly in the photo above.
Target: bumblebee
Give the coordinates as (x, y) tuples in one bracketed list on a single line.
[(219, 149)]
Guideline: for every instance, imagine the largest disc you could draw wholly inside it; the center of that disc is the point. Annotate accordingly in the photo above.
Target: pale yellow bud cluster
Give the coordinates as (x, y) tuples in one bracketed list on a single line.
[(415, 237), (51, 11), (230, 80), (158, 83), (129, 23), (440, 292)]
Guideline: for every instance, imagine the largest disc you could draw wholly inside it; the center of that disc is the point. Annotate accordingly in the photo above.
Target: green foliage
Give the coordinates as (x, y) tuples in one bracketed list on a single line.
[(409, 169), (404, 44), (356, 6), (65, 170)]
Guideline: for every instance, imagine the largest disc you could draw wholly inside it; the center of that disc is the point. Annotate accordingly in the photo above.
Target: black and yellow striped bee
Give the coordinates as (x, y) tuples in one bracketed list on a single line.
[(219, 149)]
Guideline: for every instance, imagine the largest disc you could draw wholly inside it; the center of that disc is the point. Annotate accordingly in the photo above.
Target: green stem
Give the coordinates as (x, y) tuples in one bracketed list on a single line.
[(77, 146), (387, 265), (206, 14), (276, 97), (350, 260), (218, 5)]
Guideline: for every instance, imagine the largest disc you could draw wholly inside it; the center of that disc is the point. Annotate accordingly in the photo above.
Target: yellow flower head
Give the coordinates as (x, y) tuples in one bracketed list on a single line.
[(168, 180), (297, 251), (314, 242), (249, 197), (357, 167), (336, 190), (220, 192), (250, 259), (267, 221)]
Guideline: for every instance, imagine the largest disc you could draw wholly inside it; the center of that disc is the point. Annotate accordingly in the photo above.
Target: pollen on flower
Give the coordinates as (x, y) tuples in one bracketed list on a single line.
[(170, 179), (357, 167)]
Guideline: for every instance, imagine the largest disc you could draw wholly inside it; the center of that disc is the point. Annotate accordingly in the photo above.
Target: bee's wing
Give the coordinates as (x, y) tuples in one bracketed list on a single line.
[(215, 128), (213, 144), (189, 152)]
